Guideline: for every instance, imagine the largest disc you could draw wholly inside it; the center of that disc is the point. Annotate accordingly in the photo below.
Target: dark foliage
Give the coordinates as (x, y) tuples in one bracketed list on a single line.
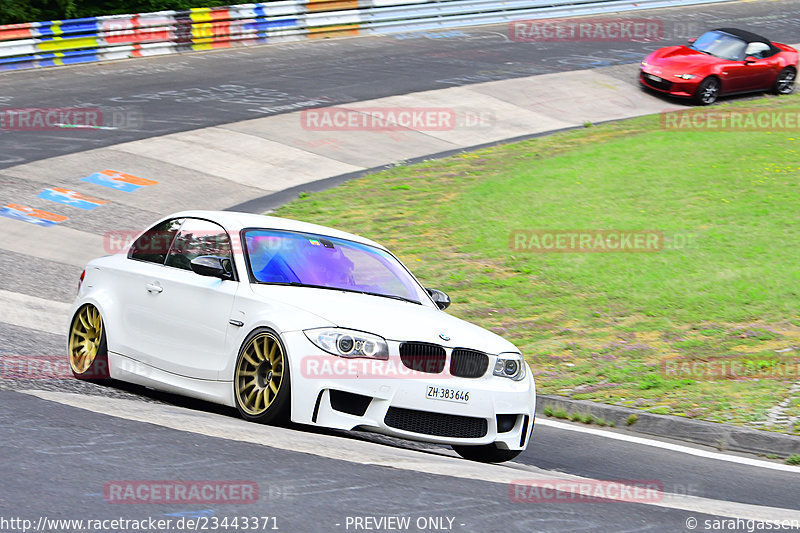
[(14, 11)]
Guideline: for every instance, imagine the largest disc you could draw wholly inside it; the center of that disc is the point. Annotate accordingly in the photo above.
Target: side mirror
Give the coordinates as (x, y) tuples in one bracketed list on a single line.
[(749, 60), (441, 299), (692, 40), (213, 266)]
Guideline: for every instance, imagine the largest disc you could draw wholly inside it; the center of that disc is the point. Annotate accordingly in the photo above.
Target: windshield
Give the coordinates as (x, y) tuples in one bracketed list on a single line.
[(720, 45), (285, 257)]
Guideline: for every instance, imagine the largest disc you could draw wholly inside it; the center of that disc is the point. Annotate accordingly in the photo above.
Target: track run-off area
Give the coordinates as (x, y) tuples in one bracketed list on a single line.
[(223, 129)]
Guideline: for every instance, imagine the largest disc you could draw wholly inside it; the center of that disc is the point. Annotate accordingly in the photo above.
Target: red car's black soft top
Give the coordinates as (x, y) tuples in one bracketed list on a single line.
[(749, 37)]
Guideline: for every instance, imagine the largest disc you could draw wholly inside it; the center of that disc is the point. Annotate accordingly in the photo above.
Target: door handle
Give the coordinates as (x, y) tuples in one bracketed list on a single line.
[(153, 287)]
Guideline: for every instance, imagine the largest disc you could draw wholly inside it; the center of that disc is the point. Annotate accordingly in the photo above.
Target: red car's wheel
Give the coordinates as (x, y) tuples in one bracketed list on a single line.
[(784, 83), (707, 91)]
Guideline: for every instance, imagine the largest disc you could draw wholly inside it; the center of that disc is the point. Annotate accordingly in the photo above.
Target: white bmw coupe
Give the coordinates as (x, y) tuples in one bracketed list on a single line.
[(287, 320)]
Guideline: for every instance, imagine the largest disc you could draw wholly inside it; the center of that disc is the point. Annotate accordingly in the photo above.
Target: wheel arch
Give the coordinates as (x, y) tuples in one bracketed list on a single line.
[(255, 313), (98, 368), (240, 340), (100, 301), (712, 76), (246, 339)]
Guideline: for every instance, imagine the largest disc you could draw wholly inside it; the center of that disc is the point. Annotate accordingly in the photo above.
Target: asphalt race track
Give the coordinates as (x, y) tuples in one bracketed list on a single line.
[(63, 441), (294, 483), (163, 95)]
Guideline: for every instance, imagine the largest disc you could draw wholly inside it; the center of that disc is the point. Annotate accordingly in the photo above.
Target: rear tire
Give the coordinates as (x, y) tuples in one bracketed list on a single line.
[(784, 83), (261, 384), (708, 91), (88, 350), (486, 453)]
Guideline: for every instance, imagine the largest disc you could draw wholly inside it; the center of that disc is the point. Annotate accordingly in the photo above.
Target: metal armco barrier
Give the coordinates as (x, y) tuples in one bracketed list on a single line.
[(63, 42)]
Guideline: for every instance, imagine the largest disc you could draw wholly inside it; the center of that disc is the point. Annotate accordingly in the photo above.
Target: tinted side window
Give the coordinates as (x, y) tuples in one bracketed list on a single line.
[(198, 237), (153, 245)]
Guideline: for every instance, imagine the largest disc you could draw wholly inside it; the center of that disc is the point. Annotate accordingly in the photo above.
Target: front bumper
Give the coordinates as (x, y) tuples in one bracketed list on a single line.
[(386, 397), (664, 84)]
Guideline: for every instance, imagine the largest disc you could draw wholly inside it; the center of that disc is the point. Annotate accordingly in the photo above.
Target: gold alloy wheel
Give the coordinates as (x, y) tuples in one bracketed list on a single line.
[(259, 374), (85, 338)]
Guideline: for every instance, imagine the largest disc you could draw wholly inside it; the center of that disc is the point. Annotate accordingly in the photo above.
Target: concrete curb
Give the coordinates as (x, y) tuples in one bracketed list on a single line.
[(717, 435)]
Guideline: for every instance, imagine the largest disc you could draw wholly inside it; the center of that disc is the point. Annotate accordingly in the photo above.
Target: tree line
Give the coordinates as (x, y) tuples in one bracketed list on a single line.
[(15, 11)]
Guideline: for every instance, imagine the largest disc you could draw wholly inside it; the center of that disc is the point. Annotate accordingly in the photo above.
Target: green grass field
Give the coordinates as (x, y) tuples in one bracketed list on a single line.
[(721, 294)]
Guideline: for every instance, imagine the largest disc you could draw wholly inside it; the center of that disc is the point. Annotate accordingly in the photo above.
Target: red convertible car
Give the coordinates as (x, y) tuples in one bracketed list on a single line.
[(721, 62)]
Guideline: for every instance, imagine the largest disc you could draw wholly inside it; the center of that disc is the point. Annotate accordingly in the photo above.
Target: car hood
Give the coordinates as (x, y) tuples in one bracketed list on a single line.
[(391, 319), (679, 60)]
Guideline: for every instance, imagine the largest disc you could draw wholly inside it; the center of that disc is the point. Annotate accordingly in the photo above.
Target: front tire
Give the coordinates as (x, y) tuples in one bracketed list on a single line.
[(708, 91), (486, 453), (88, 350), (261, 379), (784, 83)]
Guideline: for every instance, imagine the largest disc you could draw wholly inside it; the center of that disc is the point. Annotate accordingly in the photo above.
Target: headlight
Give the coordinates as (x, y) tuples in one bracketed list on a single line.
[(510, 366), (685, 76), (349, 343), (644, 63)]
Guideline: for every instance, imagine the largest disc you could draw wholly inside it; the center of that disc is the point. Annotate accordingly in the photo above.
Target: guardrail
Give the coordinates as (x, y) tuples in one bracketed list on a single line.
[(63, 42)]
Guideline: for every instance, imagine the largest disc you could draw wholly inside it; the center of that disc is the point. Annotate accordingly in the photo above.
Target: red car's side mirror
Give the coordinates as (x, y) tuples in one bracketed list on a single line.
[(749, 60), (692, 40)]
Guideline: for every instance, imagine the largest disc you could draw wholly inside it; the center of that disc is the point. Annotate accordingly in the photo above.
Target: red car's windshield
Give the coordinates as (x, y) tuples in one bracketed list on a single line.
[(721, 45)]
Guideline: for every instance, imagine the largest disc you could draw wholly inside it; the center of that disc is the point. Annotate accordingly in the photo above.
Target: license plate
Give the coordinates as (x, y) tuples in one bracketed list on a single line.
[(654, 78), (447, 394)]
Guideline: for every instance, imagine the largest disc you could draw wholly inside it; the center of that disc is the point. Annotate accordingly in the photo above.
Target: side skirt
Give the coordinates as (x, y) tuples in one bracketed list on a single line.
[(132, 371)]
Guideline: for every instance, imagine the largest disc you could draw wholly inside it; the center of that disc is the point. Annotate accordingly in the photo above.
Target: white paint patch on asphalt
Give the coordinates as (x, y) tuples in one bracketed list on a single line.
[(368, 453), (57, 243), (242, 158), (669, 446), (34, 313)]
